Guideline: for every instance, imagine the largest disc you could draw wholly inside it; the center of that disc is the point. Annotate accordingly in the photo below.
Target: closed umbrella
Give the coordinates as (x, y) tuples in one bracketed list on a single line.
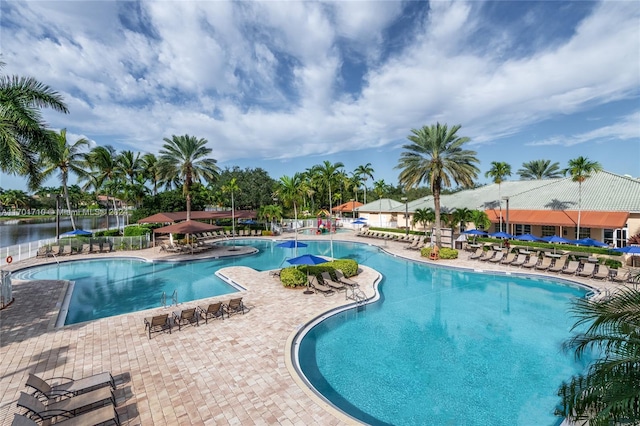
[(307, 259)]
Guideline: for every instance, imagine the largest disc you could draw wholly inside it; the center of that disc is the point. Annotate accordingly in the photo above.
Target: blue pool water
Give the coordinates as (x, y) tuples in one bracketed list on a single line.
[(441, 347)]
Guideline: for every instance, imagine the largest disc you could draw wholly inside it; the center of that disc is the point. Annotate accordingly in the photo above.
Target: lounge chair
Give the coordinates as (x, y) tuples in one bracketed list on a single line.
[(571, 268), (533, 261), (66, 251), (233, 306), (327, 280), (520, 260), (587, 270), (317, 287), (497, 258), (621, 276), (559, 264), (344, 280), (186, 316), (66, 407), (545, 264), (487, 255), (508, 259), (103, 415), (420, 245), (603, 273), (69, 387), (86, 249), (479, 252), (214, 310), (55, 251), (414, 244), (157, 324), (43, 251)]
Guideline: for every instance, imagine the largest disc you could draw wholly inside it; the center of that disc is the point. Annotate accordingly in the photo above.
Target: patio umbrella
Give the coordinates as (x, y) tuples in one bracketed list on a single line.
[(501, 235), (475, 232), (307, 259), (186, 227), (632, 250), (76, 232), (527, 237), (554, 239), (359, 222), (590, 242), (292, 244)]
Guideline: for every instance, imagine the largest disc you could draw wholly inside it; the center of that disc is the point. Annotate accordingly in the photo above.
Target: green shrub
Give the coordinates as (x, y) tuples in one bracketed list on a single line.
[(292, 277), (136, 230), (613, 264), (108, 233), (445, 253)]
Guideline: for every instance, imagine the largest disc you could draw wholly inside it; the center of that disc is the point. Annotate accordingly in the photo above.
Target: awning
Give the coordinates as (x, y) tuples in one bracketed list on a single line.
[(347, 207), (565, 218)]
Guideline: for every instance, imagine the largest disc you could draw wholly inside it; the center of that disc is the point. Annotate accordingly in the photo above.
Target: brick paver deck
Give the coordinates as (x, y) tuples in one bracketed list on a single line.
[(232, 372)]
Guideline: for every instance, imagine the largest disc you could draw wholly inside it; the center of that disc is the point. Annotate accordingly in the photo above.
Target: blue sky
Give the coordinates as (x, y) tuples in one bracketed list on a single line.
[(286, 85)]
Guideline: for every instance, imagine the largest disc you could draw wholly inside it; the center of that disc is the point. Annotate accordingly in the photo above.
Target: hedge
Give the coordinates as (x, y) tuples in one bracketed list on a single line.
[(444, 253), (297, 276)]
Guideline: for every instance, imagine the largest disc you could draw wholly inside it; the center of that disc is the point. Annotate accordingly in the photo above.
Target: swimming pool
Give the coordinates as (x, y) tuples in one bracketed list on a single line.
[(312, 231), (440, 347)]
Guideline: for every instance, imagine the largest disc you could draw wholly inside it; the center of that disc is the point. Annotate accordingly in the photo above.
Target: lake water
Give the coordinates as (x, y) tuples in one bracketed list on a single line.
[(20, 231)]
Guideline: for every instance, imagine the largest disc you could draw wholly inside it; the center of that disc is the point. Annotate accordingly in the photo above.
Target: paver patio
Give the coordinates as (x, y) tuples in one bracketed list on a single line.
[(226, 372)]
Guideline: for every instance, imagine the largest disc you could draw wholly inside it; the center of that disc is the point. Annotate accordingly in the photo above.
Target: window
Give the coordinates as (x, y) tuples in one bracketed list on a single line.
[(608, 236), (584, 233), (523, 229), (548, 231)]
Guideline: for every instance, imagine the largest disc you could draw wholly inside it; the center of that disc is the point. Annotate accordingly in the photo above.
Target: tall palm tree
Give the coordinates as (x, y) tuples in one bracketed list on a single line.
[(365, 172), (499, 170), (326, 175), (270, 212), (131, 164), (292, 190), (151, 171), (232, 187), (64, 158), (480, 219), (461, 215), (609, 392), (436, 156), (423, 217), (102, 173), (355, 182), (185, 158), (23, 133), (380, 188), (540, 169), (14, 197), (580, 170)]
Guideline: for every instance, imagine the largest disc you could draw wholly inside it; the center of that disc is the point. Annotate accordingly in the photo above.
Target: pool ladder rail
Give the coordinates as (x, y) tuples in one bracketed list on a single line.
[(356, 295), (174, 298)]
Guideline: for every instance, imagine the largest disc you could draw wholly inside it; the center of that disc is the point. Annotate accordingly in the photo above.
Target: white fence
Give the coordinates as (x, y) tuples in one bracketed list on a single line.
[(28, 250)]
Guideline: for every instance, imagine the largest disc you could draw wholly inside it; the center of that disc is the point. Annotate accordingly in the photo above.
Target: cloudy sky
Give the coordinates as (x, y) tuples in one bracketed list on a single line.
[(286, 85)]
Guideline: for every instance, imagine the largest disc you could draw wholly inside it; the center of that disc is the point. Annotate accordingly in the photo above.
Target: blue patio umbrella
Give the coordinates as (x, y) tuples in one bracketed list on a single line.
[(475, 232), (307, 259), (634, 250), (292, 244), (554, 239), (527, 237), (76, 232), (359, 222), (590, 242), (501, 235), (249, 222)]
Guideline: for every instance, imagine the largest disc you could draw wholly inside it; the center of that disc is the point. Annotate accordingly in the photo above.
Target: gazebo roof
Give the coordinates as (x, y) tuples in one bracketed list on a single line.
[(170, 217)]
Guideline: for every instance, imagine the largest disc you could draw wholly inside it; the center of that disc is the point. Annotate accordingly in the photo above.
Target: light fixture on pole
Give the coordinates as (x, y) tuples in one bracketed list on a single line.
[(507, 215), (406, 215)]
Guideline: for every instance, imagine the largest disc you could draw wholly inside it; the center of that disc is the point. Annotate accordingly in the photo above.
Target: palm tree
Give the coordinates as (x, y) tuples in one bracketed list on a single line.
[(102, 173), (131, 164), (436, 156), (355, 182), (14, 197), (184, 158), (423, 217), (291, 190), (232, 187), (480, 219), (380, 188), (326, 175), (580, 170), (65, 158), (23, 133), (461, 215), (499, 170), (609, 392), (270, 212), (151, 171), (364, 172), (540, 169)]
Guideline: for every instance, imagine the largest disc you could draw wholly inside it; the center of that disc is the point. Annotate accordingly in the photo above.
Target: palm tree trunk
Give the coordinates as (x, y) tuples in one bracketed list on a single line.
[(295, 230), (579, 208), (436, 203), (500, 202), (66, 197), (188, 206), (115, 213)]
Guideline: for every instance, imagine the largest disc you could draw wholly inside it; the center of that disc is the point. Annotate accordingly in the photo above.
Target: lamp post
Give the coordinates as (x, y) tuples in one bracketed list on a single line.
[(406, 215), (507, 211)]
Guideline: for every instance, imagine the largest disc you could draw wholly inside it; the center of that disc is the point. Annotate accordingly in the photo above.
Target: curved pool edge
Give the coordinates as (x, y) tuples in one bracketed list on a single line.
[(292, 345)]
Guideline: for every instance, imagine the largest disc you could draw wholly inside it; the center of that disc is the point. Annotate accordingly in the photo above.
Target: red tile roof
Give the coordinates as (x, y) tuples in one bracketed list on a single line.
[(588, 219)]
